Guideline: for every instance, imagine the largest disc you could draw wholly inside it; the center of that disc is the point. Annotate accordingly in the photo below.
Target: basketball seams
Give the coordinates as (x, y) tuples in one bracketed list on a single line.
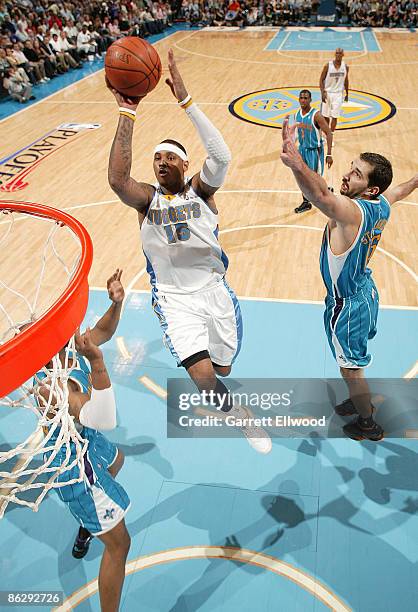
[(125, 69), (138, 57), (149, 67)]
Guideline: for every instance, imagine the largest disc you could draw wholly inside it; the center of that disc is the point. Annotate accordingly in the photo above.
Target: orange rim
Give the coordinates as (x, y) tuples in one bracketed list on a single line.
[(25, 354)]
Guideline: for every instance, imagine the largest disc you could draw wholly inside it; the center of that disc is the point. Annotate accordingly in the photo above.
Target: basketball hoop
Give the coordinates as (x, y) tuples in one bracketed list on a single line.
[(31, 336)]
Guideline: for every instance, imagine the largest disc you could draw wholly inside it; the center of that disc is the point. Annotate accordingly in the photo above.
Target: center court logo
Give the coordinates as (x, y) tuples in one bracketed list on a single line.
[(269, 107), (15, 168)]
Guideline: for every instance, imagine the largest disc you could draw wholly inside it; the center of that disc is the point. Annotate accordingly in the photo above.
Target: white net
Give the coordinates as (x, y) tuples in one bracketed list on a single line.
[(32, 276)]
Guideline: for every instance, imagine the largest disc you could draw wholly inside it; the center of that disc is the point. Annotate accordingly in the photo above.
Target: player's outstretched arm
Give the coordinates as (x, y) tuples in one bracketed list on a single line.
[(106, 326), (215, 167), (337, 207), (134, 194), (98, 410), (399, 192)]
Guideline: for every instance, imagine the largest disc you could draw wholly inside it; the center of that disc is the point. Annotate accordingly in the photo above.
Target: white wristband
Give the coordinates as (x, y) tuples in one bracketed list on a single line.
[(186, 99), (132, 112)]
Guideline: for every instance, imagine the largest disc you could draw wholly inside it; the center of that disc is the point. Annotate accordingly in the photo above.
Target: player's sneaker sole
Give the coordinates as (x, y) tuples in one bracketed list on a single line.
[(257, 437)]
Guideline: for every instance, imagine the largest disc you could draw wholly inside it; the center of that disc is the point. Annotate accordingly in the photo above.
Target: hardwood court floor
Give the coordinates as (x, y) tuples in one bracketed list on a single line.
[(273, 252)]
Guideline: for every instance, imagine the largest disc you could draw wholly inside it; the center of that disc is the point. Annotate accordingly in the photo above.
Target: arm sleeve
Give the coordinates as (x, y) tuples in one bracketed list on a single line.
[(216, 164), (99, 412)]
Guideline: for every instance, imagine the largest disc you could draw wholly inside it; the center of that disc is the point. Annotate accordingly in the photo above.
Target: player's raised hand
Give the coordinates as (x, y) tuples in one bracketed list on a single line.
[(115, 288), (122, 100), (85, 345), (175, 83), (290, 155)]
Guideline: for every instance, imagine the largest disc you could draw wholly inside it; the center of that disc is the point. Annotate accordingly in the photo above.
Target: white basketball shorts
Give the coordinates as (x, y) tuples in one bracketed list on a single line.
[(205, 321), (332, 107)]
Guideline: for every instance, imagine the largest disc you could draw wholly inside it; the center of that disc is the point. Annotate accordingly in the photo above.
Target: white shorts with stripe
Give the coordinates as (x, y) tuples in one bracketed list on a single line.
[(205, 321), (332, 107)]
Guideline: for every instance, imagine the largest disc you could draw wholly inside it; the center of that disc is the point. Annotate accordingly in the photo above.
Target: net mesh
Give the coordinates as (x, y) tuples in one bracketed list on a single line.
[(51, 456)]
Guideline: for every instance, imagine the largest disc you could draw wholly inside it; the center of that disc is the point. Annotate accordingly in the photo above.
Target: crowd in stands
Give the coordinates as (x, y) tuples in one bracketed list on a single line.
[(40, 39), (378, 13)]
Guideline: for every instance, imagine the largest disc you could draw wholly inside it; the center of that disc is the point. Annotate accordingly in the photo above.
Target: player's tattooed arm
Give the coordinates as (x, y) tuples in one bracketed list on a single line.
[(134, 194), (399, 192)]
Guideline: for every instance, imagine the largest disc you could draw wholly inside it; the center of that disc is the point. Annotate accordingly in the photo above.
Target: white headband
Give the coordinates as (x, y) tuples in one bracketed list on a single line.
[(167, 146)]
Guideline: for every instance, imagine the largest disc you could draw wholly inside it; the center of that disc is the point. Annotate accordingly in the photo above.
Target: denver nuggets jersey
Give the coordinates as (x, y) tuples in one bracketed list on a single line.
[(308, 134), (334, 81), (345, 274), (180, 242)]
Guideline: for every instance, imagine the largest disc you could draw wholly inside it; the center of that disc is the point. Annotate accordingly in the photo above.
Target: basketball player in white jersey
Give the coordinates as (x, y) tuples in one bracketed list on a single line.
[(198, 313), (333, 83)]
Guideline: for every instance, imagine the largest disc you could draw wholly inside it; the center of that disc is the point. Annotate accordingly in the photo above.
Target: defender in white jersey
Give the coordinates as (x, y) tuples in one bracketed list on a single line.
[(333, 83), (198, 312), (357, 217)]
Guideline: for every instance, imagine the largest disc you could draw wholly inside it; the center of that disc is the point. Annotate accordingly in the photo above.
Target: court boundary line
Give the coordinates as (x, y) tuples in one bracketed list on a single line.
[(283, 42), (230, 230), (275, 63), (294, 191), (115, 201), (169, 103), (249, 298), (310, 583)]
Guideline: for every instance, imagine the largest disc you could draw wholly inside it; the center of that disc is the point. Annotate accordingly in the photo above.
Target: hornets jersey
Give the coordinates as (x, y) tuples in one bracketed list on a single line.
[(180, 241), (344, 275), (309, 135), (98, 445)]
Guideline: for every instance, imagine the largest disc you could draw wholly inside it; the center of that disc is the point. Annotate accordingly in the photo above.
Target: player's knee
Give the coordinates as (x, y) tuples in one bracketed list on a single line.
[(200, 369), (222, 370), (120, 545), (125, 544), (351, 373)]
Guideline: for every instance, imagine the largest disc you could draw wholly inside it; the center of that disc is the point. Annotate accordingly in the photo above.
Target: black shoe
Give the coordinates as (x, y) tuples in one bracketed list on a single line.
[(346, 408), (354, 431), (331, 189), (305, 206), (82, 543)]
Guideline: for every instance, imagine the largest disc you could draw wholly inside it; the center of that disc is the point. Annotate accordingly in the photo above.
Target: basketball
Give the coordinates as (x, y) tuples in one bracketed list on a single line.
[(132, 66)]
